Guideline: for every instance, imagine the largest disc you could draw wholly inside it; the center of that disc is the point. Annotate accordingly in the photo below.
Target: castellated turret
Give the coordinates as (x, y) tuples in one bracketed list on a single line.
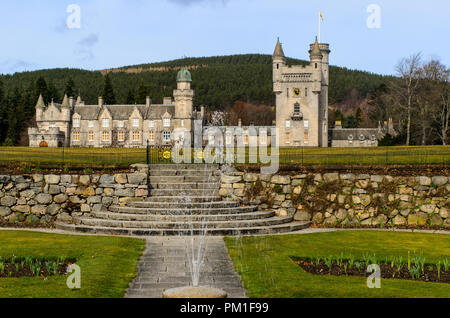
[(278, 63), (183, 95), (301, 93)]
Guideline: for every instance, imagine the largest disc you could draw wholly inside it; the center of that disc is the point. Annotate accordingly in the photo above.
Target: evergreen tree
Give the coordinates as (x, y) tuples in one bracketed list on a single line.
[(3, 114), (108, 92), (130, 100), (42, 89), (142, 93), (350, 122), (358, 117), (53, 93), (70, 88)]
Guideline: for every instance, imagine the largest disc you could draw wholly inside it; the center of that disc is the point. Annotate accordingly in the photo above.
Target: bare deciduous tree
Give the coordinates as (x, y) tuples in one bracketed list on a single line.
[(405, 90)]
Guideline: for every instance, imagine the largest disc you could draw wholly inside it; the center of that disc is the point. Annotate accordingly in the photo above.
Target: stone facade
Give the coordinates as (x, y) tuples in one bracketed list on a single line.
[(345, 199), (41, 198), (302, 98), (74, 124)]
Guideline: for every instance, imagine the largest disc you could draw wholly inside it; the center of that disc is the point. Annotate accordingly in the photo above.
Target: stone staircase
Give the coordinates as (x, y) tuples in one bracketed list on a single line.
[(183, 200)]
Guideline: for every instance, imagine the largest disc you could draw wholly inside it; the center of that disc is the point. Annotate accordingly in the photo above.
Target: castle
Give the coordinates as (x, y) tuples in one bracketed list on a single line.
[(301, 115), (74, 124)]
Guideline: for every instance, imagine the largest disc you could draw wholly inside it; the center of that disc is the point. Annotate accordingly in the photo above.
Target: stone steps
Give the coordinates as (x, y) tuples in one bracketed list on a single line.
[(182, 218), (268, 230), (187, 225), (184, 199), (187, 211), (184, 205), (185, 186), (184, 192), (184, 166), (186, 173), (182, 179)]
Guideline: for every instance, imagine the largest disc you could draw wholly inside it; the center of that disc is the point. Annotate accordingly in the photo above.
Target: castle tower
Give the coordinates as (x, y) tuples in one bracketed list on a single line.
[(322, 71), (40, 106), (183, 95), (278, 62), (302, 98)]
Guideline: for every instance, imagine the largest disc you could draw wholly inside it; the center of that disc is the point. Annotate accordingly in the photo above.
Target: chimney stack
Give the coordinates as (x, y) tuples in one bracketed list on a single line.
[(100, 101), (240, 122), (149, 101)]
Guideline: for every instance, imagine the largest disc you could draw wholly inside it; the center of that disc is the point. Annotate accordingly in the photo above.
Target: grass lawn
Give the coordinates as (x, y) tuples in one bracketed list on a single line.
[(267, 270), (121, 157), (108, 264)]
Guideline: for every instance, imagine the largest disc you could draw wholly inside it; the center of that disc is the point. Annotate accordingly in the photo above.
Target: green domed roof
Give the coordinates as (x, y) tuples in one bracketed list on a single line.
[(184, 76)]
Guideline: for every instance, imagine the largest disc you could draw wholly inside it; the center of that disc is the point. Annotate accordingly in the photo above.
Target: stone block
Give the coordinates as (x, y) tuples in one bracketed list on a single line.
[(302, 216), (121, 178), (106, 179), (4, 211), (423, 181), (231, 179), (52, 179), (137, 178), (85, 180), (39, 209), (8, 201), (250, 177), (286, 180), (331, 177)]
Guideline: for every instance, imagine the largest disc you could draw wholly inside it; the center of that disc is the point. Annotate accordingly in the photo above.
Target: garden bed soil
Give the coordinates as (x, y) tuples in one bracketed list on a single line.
[(17, 169), (25, 225), (392, 170), (387, 271), (386, 227), (10, 270)]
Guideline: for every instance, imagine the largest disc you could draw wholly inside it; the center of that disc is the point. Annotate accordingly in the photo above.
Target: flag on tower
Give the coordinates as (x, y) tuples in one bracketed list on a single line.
[(320, 13)]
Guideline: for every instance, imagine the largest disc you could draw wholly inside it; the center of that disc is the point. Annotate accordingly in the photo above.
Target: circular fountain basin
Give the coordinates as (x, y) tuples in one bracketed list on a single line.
[(194, 292)]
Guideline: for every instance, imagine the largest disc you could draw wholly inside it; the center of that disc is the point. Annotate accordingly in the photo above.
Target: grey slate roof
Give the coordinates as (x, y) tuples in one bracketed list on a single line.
[(88, 112), (123, 112), (343, 134)]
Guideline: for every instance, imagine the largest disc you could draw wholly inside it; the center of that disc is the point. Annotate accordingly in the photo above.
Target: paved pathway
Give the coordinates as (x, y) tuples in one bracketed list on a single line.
[(165, 265)]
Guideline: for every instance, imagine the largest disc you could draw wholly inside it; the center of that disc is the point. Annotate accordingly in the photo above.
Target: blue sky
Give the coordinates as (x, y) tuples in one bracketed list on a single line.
[(34, 33)]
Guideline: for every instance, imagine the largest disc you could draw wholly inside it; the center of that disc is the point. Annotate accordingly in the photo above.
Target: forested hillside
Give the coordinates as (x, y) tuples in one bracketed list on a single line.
[(219, 82)]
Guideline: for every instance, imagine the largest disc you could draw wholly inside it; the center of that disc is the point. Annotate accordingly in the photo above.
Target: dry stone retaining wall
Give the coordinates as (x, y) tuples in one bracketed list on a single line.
[(345, 199), (40, 198)]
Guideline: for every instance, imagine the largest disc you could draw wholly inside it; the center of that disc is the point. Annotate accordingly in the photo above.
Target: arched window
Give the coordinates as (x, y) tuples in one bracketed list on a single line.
[(296, 108)]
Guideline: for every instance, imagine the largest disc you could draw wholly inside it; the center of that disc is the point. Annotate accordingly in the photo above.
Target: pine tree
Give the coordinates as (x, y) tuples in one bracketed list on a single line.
[(42, 89), (108, 92), (70, 88), (358, 117), (130, 100), (3, 115), (142, 93)]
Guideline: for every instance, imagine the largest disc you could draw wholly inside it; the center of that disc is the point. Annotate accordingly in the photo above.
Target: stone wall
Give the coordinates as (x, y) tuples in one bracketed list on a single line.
[(336, 199), (42, 198)]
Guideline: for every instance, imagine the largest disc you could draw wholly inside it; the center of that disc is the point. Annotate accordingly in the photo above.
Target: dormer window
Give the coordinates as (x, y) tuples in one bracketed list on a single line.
[(121, 124), (76, 123), (166, 122), (151, 124), (135, 122), (350, 139), (91, 124), (105, 123)]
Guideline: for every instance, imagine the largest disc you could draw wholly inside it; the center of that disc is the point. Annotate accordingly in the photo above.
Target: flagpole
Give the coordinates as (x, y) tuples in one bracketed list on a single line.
[(319, 27)]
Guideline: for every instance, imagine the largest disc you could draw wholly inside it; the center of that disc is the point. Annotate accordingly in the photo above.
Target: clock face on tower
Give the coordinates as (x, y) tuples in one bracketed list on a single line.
[(297, 91)]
